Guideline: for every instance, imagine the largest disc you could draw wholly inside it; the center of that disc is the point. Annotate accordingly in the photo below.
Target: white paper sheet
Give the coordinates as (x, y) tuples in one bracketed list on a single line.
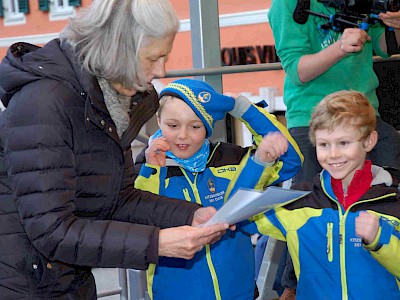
[(246, 203)]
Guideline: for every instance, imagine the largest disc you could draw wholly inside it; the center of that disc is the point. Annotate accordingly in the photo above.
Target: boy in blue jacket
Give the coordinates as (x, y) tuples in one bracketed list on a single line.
[(344, 236), (182, 163)]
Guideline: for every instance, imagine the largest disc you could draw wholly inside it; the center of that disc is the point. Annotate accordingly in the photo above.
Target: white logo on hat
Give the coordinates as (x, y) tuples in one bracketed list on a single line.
[(204, 97)]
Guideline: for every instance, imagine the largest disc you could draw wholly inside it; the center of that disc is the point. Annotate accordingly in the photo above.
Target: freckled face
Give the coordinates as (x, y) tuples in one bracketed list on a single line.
[(341, 152), (182, 128)]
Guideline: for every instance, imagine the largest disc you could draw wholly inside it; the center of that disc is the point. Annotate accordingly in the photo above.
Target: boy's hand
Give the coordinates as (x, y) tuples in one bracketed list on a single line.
[(353, 40), (367, 226), (156, 152), (272, 146)]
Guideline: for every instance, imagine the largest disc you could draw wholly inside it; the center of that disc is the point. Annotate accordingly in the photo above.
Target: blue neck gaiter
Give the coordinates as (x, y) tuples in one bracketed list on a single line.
[(196, 163)]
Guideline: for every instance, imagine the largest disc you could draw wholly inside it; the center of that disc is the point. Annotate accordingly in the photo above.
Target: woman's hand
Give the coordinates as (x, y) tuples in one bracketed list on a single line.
[(204, 214), (156, 152), (272, 146), (367, 226), (185, 241)]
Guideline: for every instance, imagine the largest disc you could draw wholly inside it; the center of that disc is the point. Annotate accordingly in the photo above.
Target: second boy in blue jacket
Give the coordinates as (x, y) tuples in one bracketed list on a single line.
[(182, 163)]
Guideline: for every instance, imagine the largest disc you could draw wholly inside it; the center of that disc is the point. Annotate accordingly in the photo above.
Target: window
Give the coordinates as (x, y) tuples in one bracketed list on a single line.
[(14, 11), (59, 9)]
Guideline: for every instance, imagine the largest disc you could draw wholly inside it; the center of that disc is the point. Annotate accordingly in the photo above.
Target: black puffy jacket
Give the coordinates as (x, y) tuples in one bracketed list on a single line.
[(67, 201)]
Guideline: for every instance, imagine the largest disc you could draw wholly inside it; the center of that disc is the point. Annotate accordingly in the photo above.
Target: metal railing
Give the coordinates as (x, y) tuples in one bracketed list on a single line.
[(248, 68), (121, 290)]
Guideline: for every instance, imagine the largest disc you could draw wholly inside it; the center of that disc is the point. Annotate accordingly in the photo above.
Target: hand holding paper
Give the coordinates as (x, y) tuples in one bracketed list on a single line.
[(246, 203)]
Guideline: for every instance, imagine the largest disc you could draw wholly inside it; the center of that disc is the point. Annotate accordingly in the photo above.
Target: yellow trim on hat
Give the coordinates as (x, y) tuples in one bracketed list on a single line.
[(192, 98)]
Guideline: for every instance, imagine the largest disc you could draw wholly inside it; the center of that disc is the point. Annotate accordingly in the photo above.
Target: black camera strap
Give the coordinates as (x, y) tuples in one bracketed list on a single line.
[(391, 41), (301, 13)]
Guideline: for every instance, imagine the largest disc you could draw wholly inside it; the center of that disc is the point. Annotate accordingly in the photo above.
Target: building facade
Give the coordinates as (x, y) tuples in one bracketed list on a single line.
[(245, 36)]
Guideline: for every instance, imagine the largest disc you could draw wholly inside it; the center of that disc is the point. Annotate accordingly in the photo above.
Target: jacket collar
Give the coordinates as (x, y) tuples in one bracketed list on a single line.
[(381, 176)]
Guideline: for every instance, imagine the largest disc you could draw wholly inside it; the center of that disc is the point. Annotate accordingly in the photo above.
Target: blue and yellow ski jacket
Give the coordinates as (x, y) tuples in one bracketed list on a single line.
[(224, 270), (330, 260)]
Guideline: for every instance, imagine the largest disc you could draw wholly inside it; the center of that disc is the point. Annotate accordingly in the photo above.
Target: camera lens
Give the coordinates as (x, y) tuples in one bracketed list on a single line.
[(361, 6), (394, 5), (386, 5)]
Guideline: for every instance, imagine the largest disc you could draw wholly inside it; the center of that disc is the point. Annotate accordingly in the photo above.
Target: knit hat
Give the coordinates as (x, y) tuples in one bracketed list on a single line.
[(208, 105)]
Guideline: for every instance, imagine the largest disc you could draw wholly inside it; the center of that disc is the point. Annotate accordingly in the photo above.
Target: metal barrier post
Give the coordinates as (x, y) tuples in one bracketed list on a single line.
[(123, 283), (269, 266), (137, 285), (122, 290)]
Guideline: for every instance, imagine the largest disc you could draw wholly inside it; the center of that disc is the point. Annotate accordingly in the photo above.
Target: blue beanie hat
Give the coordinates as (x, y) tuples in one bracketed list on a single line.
[(208, 105)]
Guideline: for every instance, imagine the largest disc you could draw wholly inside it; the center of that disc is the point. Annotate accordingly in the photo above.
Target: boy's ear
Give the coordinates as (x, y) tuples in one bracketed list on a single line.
[(370, 141), (158, 121)]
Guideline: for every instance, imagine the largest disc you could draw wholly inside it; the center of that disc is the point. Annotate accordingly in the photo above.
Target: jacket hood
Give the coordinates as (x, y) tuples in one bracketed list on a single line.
[(25, 63), (380, 175)]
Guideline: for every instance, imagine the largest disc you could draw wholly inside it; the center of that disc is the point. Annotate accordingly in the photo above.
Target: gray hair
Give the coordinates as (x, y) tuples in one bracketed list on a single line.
[(109, 34)]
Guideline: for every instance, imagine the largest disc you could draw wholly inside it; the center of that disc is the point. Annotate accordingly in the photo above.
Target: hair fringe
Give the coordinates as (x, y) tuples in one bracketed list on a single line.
[(343, 107), (105, 47)]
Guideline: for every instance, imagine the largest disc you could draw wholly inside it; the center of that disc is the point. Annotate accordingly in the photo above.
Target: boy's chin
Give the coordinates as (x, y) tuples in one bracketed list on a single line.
[(181, 155)]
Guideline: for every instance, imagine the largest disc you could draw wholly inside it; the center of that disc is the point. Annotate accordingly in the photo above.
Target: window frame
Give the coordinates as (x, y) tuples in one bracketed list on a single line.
[(60, 12), (15, 16)]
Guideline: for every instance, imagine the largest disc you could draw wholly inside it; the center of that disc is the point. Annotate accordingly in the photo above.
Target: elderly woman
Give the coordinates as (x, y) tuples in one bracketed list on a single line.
[(67, 201)]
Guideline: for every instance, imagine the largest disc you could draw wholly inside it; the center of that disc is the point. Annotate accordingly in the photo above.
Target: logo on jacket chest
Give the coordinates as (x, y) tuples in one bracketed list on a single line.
[(211, 185), (226, 169), (356, 241), (213, 196)]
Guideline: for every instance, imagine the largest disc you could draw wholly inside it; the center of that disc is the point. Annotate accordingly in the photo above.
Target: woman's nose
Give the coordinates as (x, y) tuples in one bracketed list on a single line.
[(159, 69)]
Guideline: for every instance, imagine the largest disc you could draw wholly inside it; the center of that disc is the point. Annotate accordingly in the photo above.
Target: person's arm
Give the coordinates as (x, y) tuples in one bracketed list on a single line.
[(43, 172), (294, 44), (267, 224), (292, 40), (261, 123), (312, 66), (185, 241), (136, 206), (390, 19), (276, 158), (42, 168), (381, 239)]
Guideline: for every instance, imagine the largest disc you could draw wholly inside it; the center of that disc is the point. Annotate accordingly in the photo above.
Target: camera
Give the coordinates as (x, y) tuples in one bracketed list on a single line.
[(352, 14), (363, 6)]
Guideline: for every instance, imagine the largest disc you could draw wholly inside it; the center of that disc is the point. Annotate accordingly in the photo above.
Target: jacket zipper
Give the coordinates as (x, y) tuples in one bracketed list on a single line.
[(210, 264), (329, 241)]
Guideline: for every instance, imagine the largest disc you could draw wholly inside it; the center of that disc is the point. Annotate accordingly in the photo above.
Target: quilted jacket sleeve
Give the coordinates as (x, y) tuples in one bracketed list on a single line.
[(139, 206), (42, 166), (260, 122)]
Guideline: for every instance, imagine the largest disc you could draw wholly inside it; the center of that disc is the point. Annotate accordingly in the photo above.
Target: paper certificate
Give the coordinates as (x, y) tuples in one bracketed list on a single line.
[(246, 203)]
